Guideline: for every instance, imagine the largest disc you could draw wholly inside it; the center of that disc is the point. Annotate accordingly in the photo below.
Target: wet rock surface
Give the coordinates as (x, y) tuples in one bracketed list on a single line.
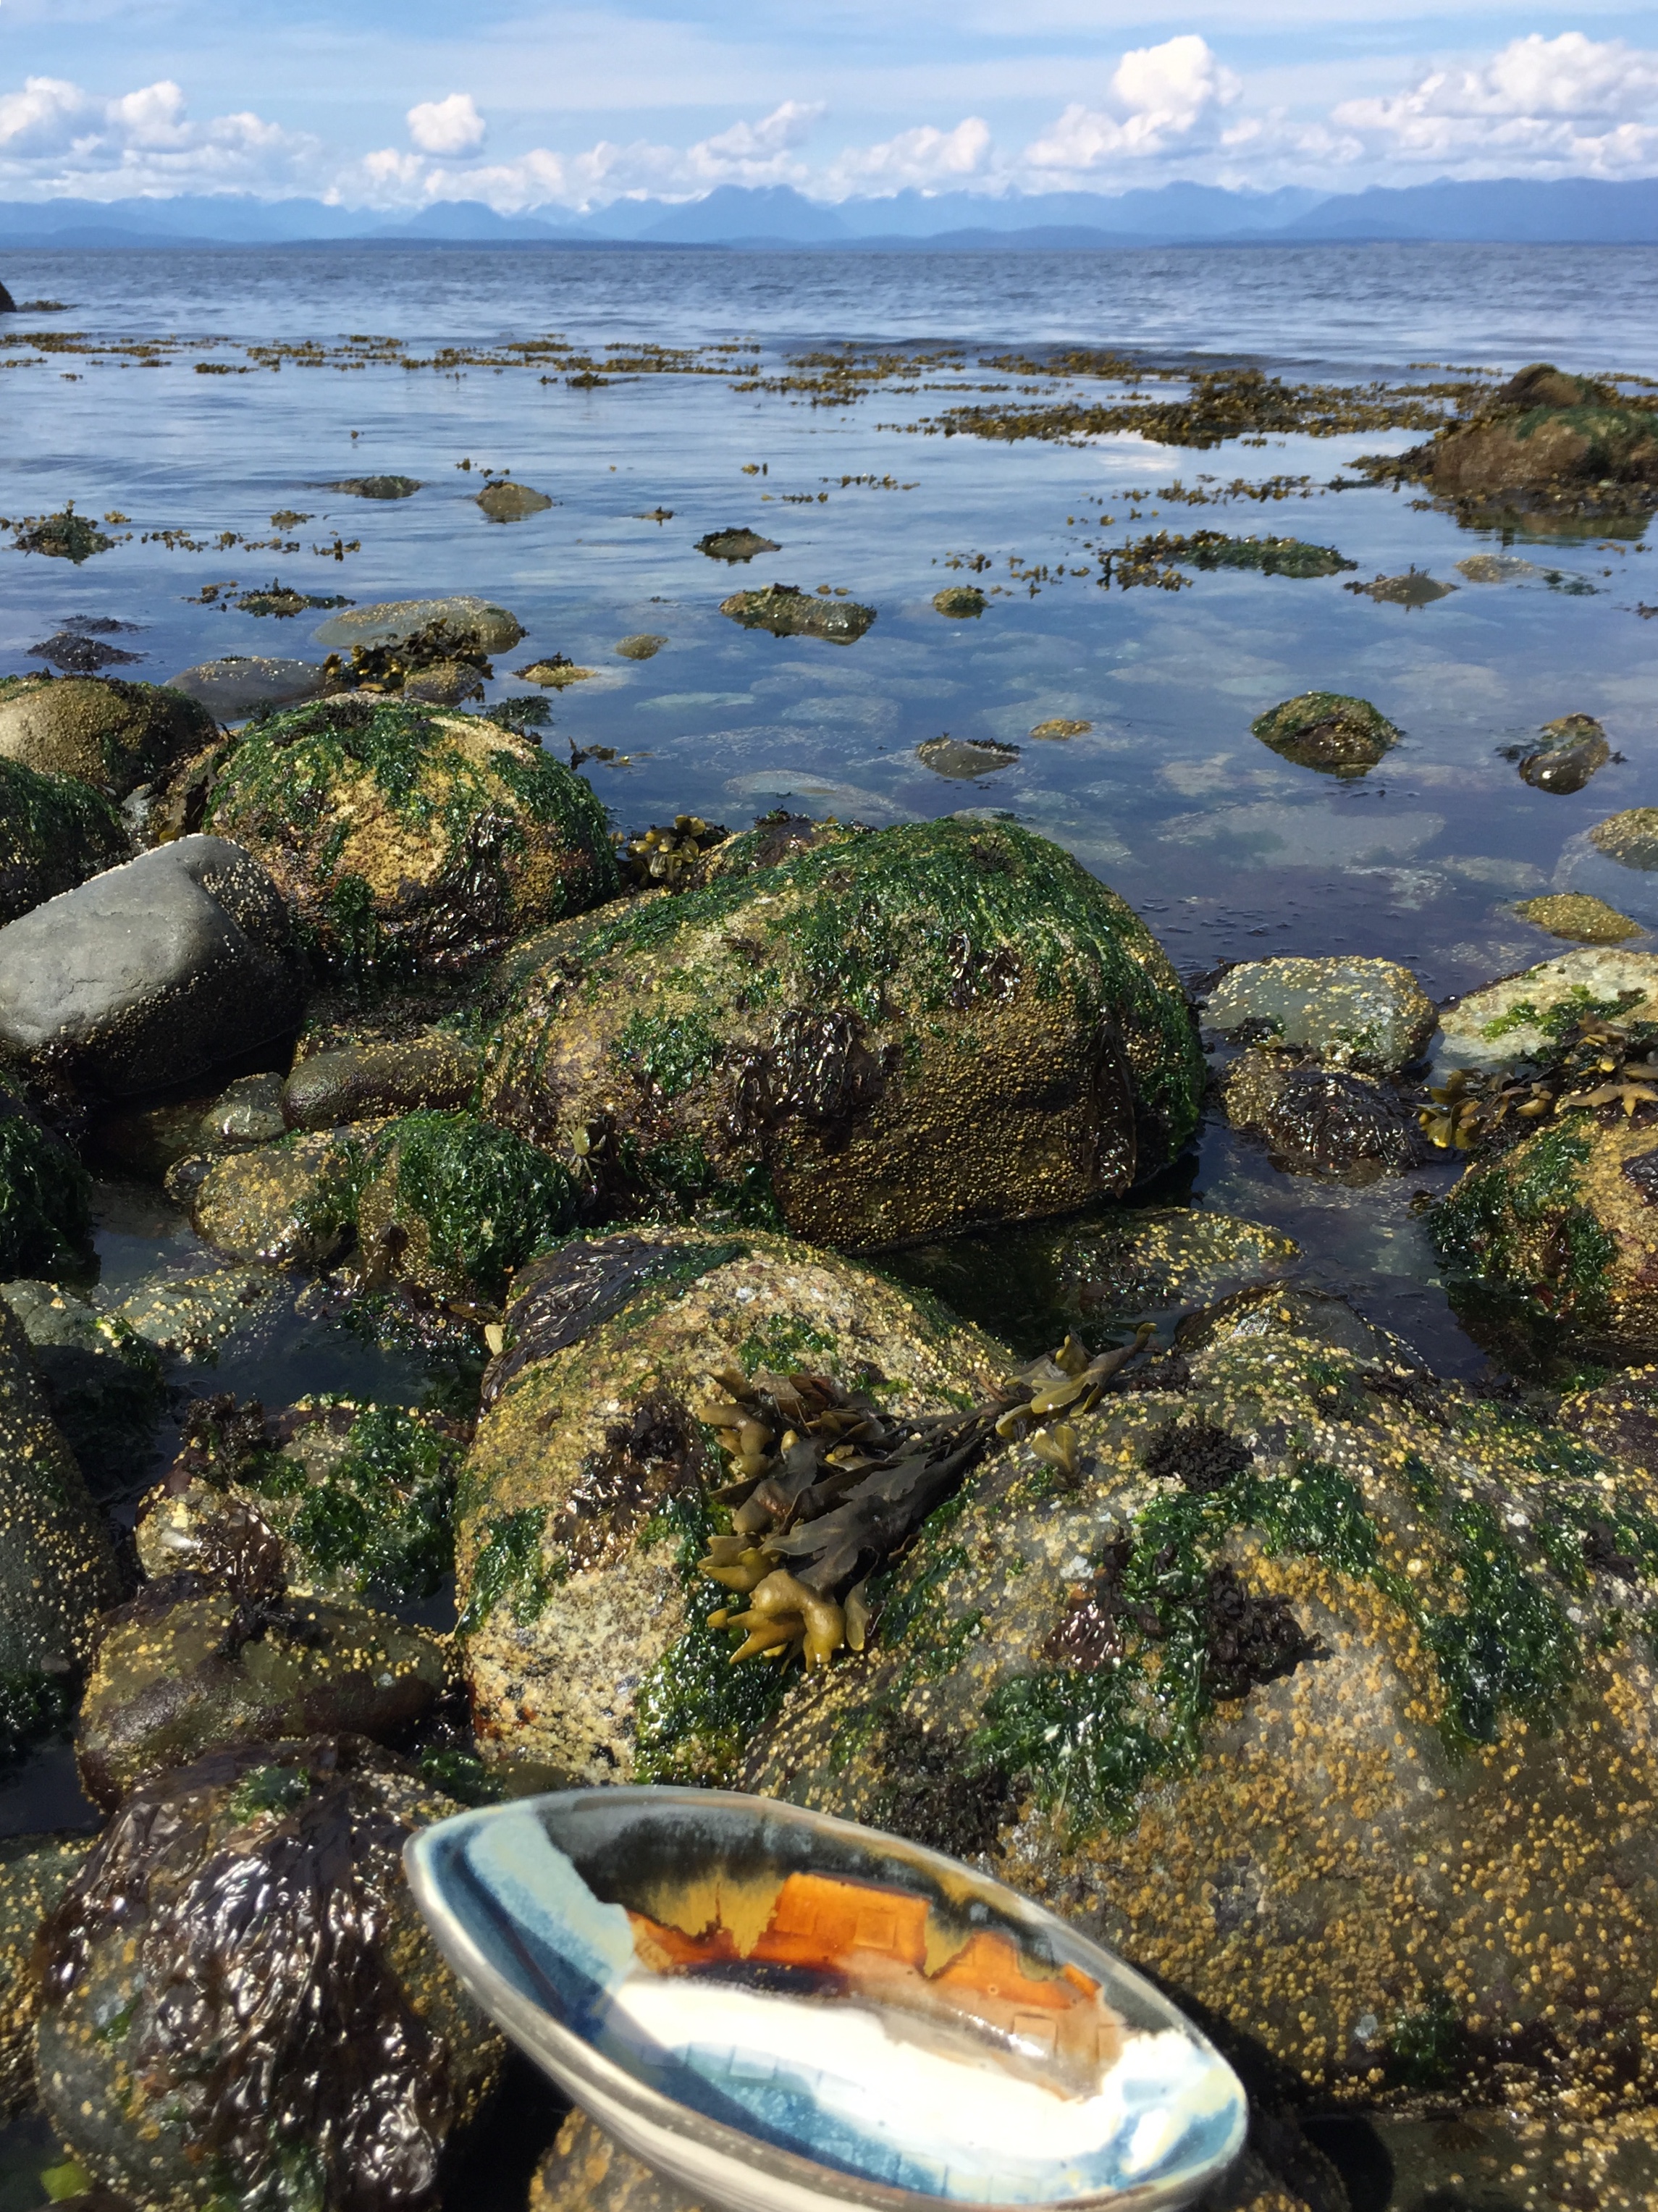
[(1514, 1021), (34, 1871), (1573, 748), (149, 973), (391, 621), (511, 502), (239, 684), (1546, 431), (111, 735), (158, 2011), (787, 612), (964, 758), (735, 544), (1368, 1014), (55, 831), (103, 1382), (961, 602), (1327, 730), (1575, 915), (1320, 1120), (437, 1069)]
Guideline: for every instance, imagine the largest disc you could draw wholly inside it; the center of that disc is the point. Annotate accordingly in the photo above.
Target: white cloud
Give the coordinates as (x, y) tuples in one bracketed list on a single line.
[(757, 153), (446, 126), (1164, 100), (1541, 106), (56, 137), (924, 158)]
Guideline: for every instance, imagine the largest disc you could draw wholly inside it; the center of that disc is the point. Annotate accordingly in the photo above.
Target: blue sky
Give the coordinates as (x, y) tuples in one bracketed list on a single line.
[(395, 103)]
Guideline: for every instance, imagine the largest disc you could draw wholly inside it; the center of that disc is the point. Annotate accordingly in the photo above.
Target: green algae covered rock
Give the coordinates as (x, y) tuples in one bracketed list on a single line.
[(45, 1194), (55, 831), (1525, 1018), (585, 1502), (1543, 429), (34, 1871), (1297, 1677), (103, 732), (1327, 730), (185, 1669), (915, 1030), (408, 840), (160, 2014), (787, 612)]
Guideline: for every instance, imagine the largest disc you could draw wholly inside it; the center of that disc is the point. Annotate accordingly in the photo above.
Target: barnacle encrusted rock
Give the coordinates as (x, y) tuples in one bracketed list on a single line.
[(787, 612), (185, 1669), (1348, 1012), (1522, 1016), (584, 1503), (55, 831), (1578, 916), (409, 839), (1304, 1687), (34, 1871), (1327, 730), (478, 623), (434, 1068), (106, 732), (913, 1029), (260, 1205), (1319, 1121), (159, 2012), (56, 1567)]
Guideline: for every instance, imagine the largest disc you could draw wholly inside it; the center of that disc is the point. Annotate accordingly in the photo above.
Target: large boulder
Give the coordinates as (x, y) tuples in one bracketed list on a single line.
[(242, 2000), (585, 1499), (409, 839), (1314, 1686), (108, 733), (148, 974), (55, 831), (914, 1030), (1544, 428)]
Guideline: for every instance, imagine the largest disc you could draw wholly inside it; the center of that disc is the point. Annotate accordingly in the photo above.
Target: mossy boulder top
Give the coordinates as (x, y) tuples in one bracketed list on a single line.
[(583, 1503), (1330, 731), (1546, 427), (55, 831), (410, 838), (1303, 1687), (1370, 1014), (1522, 1016), (113, 735), (916, 1030)]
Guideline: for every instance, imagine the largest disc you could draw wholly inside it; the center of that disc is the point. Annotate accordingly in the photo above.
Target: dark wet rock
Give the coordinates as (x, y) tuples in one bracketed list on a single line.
[(964, 758), (376, 487), (57, 1568), (239, 684), (65, 536), (961, 602), (8, 304), (735, 544), (103, 1384), (331, 1499), (1327, 730), (645, 646), (146, 1139), (159, 2012), (146, 974), (512, 502), (555, 673), (1244, 1667), (434, 1069), (249, 1112), (1370, 1014), (111, 735), (44, 1194), (55, 831), (411, 840), (1579, 917), (194, 1317), (1520, 1018), (1415, 588), (585, 1497), (78, 655), (185, 1669), (1543, 429), (1630, 838), (787, 612), (490, 628), (1320, 1120), (35, 1872), (444, 684), (1571, 750), (907, 1030), (262, 1203)]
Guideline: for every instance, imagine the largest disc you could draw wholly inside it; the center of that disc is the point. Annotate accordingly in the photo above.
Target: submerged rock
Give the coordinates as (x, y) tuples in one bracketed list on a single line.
[(56, 1567), (488, 628), (964, 758), (1348, 1012), (736, 544), (1497, 568), (146, 974), (55, 831), (787, 612), (185, 1669), (159, 2012), (1320, 1120), (435, 1068), (103, 1381), (376, 487), (1630, 838), (511, 502), (193, 1317), (35, 1872), (239, 684), (1517, 1020), (1327, 730), (46, 1222), (1299, 1685), (1571, 750), (911, 1030), (412, 840), (1415, 588), (643, 647), (1576, 916), (111, 735), (960, 601), (586, 1497)]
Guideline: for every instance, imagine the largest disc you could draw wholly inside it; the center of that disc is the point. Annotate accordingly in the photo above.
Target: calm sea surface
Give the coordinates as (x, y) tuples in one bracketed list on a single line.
[(1227, 851)]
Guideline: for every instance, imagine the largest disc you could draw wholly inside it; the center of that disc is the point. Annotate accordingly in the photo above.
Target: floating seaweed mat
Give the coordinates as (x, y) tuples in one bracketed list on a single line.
[(781, 2011)]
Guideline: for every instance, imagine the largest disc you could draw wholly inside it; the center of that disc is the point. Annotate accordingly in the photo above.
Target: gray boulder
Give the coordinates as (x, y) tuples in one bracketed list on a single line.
[(491, 628), (148, 974), (232, 688)]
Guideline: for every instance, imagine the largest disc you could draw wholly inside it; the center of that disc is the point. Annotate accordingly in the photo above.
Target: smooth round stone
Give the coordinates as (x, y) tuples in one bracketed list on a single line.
[(234, 687), (643, 647)]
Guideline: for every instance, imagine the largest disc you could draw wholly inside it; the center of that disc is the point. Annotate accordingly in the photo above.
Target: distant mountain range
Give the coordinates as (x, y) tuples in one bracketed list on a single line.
[(1572, 210)]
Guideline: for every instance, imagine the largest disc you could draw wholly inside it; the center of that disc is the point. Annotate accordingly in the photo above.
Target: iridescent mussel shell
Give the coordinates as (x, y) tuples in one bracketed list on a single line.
[(782, 2011)]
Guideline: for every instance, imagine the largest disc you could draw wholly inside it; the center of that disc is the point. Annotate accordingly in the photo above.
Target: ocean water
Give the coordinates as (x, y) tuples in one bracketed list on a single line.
[(1228, 852)]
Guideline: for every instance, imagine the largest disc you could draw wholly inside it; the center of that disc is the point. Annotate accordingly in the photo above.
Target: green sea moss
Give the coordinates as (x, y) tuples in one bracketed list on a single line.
[(46, 1198), (55, 831)]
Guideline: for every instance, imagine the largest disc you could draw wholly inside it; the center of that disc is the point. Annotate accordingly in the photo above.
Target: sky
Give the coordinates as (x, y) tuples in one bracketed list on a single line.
[(395, 104)]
